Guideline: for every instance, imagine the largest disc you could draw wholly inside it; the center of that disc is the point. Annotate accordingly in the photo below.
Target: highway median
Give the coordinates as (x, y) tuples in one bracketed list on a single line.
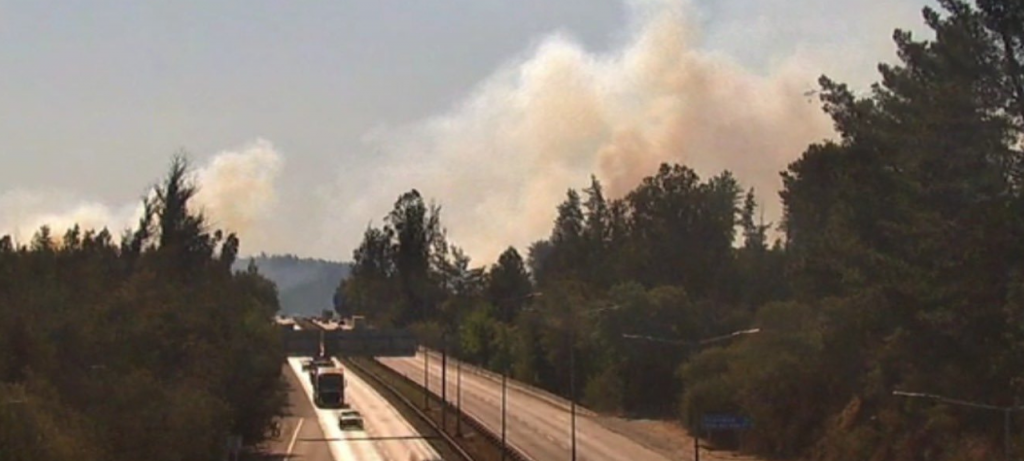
[(460, 436)]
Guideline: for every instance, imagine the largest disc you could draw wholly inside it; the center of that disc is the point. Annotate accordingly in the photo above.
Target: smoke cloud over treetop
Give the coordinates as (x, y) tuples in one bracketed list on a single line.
[(237, 192), (501, 160)]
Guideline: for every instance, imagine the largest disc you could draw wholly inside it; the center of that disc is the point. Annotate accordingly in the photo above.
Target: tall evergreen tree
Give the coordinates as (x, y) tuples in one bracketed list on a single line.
[(416, 230), (508, 286)]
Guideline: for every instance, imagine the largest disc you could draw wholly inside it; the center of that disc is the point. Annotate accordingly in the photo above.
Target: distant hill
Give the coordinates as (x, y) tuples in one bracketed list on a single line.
[(305, 286)]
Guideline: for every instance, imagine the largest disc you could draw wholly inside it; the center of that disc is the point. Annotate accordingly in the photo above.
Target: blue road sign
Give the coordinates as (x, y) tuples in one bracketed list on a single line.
[(725, 422)]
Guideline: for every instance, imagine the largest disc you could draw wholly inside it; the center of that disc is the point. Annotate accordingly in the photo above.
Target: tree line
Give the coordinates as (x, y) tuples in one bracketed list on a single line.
[(146, 346), (899, 266)]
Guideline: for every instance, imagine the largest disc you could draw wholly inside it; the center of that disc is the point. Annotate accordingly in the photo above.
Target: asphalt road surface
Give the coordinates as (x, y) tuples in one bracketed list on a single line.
[(301, 436), (386, 435), (312, 434), (392, 435), (537, 426)]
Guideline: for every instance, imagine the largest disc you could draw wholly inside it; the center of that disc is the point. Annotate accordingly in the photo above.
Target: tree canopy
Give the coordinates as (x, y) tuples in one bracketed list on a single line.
[(898, 267), (113, 349)]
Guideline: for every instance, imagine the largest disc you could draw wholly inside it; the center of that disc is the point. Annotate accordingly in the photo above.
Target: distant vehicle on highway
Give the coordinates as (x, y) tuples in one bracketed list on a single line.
[(350, 419), (328, 387)]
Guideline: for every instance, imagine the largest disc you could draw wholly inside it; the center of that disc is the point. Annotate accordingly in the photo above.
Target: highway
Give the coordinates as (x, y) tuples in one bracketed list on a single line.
[(301, 436), (394, 437), (386, 435), (313, 433), (537, 426)]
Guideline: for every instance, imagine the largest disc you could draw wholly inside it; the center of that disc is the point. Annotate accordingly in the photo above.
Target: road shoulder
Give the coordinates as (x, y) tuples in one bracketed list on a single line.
[(300, 433), (668, 438)]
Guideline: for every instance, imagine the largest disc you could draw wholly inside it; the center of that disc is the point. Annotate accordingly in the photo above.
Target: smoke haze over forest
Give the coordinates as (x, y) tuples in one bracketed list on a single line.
[(705, 84)]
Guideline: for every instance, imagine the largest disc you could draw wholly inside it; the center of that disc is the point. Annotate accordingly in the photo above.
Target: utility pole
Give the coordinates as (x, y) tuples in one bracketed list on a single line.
[(426, 380), (696, 440), (504, 388), (1006, 433), (694, 345), (572, 371), (458, 397), (503, 308), (572, 368), (1007, 447), (444, 380), (572, 386)]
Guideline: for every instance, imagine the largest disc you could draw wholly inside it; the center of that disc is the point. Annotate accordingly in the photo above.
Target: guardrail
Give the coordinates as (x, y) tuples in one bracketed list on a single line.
[(542, 394), (352, 364), (490, 438)]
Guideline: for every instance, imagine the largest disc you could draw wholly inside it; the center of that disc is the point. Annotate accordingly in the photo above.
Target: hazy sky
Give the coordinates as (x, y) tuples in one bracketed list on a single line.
[(307, 119)]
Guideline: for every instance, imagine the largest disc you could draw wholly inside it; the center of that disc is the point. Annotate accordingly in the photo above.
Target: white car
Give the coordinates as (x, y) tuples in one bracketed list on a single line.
[(350, 419)]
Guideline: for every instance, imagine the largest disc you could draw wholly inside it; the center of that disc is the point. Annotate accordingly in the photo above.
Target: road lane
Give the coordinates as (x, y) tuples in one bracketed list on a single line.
[(386, 434), (385, 430), (301, 436), (485, 405), (344, 445), (534, 425), (392, 434)]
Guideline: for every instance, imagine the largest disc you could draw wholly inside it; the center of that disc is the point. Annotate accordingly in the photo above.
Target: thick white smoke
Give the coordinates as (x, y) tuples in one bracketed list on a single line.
[(501, 161), (237, 193), (23, 213)]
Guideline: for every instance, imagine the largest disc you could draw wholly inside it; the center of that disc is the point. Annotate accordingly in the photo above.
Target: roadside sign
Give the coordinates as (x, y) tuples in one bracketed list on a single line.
[(352, 343), (371, 343), (724, 421), (301, 343)]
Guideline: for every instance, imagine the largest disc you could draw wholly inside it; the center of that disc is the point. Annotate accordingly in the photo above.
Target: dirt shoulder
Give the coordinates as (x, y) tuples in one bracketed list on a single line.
[(666, 437)]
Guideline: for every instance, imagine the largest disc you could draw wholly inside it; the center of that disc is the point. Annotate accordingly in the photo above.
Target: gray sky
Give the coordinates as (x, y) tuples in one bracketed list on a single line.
[(314, 116)]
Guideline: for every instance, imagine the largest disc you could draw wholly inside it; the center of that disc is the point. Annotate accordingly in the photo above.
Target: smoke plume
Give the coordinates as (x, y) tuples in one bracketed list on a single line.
[(21, 216), (237, 193), (502, 160)]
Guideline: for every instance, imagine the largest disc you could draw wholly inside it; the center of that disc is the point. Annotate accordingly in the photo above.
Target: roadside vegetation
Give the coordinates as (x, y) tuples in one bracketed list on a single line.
[(143, 346), (899, 266)]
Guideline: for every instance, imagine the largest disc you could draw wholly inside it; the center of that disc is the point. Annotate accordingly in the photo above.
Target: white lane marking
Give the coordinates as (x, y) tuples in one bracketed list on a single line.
[(397, 439), (475, 388), (341, 448), (295, 437)]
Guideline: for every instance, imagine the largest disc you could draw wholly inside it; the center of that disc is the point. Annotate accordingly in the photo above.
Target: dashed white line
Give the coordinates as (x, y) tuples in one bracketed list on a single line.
[(295, 437)]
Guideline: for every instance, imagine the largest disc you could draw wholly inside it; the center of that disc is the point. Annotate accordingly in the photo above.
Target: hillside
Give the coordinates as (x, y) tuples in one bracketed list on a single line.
[(305, 286)]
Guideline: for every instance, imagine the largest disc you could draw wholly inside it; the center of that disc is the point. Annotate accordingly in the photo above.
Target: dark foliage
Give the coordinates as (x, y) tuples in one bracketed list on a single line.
[(901, 268), (151, 349)]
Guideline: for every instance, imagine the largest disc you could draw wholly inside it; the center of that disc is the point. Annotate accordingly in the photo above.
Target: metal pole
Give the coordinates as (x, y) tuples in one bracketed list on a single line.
[(504, 398), (458, 397), (444, 382), (572, 387), (426, 380), (504, 380), (696, 445), (1006, 431)]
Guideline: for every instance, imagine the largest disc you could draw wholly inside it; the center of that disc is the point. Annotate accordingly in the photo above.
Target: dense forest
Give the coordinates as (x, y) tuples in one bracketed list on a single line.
[(305, 286), (149, 347), (900, 266)]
